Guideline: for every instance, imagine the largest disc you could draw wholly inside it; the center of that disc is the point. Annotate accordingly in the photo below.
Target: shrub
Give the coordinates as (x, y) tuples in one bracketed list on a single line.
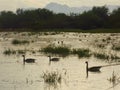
[(21, 42), (9, 52), (81, 52), (52, 77), (62, 50), (101, 56)]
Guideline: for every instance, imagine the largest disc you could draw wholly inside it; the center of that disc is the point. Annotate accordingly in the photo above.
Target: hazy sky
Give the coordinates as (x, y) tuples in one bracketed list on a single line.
[(13, 4)]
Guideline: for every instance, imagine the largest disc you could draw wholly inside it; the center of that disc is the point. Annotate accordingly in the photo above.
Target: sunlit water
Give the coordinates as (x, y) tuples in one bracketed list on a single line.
[(16, 76)]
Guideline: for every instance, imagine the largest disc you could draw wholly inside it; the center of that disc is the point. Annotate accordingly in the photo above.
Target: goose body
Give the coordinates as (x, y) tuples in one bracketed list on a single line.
[(53, 59), (29, 60), (92, 69)]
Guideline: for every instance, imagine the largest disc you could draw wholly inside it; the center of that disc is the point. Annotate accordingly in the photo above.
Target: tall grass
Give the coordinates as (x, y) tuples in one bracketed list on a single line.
[(117, 48), (101, 56), (20, 42), (104, 56), (62, 50), (114, 79), (13, 52), (21, 51), (9, 52), (81, 52), (52, 77)]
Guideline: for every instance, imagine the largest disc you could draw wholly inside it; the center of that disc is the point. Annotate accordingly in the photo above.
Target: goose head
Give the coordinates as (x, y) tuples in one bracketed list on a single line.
[(86, 62)]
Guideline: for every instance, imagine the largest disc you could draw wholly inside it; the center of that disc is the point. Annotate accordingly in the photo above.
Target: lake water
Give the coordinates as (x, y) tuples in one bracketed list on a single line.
[(16, 76)]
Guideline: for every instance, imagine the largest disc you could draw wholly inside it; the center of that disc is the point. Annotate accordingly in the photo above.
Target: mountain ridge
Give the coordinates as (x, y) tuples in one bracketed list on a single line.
[(59, 8)]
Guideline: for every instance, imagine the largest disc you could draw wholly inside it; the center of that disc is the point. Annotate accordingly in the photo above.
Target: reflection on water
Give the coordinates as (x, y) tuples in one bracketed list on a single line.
[(16, 76)]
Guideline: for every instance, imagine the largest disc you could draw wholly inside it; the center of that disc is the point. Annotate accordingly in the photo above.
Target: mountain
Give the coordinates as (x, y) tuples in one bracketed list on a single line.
[(58, 8)]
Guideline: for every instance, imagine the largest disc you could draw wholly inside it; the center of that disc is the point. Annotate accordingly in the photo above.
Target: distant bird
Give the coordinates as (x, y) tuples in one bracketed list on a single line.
[(53, 59), (92, 69), (28, 60)]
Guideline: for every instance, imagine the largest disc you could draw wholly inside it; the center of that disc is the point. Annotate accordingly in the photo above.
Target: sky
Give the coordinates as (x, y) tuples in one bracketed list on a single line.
[(12, 5)]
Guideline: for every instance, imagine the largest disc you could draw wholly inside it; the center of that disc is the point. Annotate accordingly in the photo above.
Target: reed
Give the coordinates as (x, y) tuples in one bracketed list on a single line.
[(52, 77), (117, 48), (101, 56), (114, 78), (62, 50), (9, 52), (19, 42), (81, 52), (21, 51)]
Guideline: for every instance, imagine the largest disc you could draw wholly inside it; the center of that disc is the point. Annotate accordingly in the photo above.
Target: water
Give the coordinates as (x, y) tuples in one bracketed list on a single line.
[(16, 76)]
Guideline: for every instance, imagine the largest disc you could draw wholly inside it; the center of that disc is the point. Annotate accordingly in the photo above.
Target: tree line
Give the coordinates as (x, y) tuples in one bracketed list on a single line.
[(97, 17)]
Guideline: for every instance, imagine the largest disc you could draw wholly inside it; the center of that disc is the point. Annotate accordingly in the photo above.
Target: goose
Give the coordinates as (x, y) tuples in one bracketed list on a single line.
[(29, 60), (53, 59), (92, 69)]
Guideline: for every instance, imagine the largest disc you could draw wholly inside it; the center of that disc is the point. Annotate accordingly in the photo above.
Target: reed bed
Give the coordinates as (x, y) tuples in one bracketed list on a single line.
[(81, 52), (52, 77), (9, 52), (19, 42), (62, 50)]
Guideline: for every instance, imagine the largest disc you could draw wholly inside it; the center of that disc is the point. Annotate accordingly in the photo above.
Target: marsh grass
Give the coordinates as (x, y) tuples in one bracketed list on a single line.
[(104, 56), (101, 56), (13, 52), (52, 77), (81, 52), (114, 78), (9, 52), (20, 42), (62, 50), (101, 46), (114, 57), (21, 51), (51, 33), (117, 48)]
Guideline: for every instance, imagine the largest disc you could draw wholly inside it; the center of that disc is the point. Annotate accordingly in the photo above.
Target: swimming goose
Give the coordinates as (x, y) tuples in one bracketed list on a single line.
[(92, 69), (28, 60), (53, 59)]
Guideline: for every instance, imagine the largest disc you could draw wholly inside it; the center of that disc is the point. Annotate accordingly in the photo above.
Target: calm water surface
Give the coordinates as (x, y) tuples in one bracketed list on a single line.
[(16, 76)]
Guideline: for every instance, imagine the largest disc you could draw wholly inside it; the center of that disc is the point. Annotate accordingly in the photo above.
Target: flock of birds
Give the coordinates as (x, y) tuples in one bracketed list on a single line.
[(31, 60), (92, 69)]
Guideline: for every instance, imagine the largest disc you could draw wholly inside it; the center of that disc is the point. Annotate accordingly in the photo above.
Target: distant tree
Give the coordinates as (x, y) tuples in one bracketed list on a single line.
[(102, 13), (114, 19), (39, 18), (8, 19), (88, 20)]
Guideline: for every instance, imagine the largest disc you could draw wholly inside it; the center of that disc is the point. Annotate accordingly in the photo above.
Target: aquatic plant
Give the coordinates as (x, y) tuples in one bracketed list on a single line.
[(104, 56), (63, 50), (101, 46), (51, 33), (81, 52), (114, 57), (101, 56), (52, 77), (117, 48), (21, 42), (114, 78), (9, 52), (21, 51)]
